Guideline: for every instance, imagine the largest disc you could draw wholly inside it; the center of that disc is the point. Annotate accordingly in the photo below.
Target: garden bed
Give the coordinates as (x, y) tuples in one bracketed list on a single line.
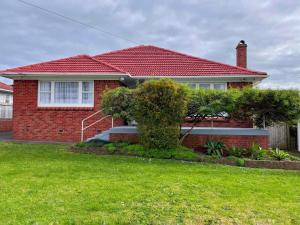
[(181, 153)]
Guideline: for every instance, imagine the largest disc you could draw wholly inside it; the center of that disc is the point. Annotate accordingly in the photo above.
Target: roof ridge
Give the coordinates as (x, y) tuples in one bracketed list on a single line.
[(207, 60), (119, 50), (107, 64)]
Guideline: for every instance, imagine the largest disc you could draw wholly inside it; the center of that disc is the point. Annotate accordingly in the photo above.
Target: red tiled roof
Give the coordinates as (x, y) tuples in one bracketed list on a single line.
[(139, 61), (79, 63), (154, 61), (6, 87)]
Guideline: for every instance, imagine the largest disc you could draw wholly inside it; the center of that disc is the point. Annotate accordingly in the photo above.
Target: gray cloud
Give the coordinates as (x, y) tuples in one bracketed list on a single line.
[(208, 29)]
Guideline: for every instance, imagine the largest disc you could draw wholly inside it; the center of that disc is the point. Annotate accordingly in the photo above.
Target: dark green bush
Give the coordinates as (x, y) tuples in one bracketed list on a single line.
[(179, 152), (215, 148), (266, 107)]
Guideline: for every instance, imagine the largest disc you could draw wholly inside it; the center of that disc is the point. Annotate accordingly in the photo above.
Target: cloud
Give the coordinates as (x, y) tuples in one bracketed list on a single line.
[(209, 29)]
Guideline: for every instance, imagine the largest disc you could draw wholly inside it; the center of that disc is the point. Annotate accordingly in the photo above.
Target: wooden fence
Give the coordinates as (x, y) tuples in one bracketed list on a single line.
[(282, 136)]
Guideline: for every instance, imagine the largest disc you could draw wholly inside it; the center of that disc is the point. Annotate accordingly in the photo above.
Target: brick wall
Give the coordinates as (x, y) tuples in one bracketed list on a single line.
[(54, 124), (196, 141), (5, 124)]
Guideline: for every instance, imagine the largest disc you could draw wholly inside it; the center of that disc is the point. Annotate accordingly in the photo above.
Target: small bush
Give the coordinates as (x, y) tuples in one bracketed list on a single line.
[(81, 144), (256, 152), (279, 154), (111, 148), (238, 161), (215, 148), (179, 152), (236, 151)]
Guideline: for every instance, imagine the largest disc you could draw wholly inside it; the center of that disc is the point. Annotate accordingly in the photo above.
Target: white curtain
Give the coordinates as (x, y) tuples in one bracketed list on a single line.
[(87, 92), (45, 92), (66, 92)]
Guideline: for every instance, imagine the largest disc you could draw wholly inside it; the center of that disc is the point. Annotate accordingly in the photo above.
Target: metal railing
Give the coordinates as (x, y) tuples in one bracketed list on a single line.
[(83, 128)]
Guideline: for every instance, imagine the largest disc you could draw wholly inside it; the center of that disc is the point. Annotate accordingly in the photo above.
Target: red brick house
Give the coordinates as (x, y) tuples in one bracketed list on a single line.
[(6, 99), (52, 98)]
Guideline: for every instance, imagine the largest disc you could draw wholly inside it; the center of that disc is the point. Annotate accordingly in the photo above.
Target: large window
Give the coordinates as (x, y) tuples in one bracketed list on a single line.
[(66, 93), (220, 86)]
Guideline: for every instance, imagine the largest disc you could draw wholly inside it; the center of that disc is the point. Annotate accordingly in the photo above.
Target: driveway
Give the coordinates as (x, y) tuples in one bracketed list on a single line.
[(6, 136)]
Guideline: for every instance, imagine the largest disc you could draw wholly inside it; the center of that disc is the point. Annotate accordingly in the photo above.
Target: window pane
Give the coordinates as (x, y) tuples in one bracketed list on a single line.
[(86, 86), (87, 98), (192, 85), (206, 86), (219, 86), (45, 92), (45, 86), (45, 97), (66, 92)]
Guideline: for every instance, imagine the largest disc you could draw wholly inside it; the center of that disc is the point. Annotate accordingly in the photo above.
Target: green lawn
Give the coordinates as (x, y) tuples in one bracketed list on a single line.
[(45, 184)]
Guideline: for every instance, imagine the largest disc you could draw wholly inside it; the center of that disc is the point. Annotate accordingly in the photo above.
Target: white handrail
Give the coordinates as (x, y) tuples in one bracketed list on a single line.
[(83, 128)]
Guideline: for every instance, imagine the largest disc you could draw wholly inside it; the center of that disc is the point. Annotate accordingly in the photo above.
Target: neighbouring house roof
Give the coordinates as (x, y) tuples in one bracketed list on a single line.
[(76, 64), (6, 87), (144, 61)]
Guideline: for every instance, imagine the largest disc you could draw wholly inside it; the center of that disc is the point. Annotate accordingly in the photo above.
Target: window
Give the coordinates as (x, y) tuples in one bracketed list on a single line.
[(206, 86), (66, 93), (220, 86), (7, 99)]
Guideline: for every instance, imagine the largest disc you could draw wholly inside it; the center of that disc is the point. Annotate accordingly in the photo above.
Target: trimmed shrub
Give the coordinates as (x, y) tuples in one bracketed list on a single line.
[(160, 107)]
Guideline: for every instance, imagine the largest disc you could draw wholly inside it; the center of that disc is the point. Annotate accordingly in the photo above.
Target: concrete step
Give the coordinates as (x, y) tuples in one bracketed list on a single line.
[(104, 136)]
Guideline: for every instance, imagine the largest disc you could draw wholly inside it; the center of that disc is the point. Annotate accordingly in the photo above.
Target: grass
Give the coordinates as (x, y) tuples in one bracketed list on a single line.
[(45, 184)]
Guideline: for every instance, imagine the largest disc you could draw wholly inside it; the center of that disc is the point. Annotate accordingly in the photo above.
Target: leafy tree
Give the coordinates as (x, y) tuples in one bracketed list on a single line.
[(206, 103), (266, 107)]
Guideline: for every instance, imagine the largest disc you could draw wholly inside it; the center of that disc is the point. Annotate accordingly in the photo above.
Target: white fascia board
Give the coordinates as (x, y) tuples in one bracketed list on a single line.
[(225, 78), (4, 90), (64, 76)]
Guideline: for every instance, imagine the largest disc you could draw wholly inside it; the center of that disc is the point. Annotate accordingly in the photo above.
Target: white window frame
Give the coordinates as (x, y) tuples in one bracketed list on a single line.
[(211, 84), (52, 104)]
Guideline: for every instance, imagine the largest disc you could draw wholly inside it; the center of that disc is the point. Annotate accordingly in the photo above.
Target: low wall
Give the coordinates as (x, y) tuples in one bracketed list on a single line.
[(241, 137), (5, 124), (286, 165)]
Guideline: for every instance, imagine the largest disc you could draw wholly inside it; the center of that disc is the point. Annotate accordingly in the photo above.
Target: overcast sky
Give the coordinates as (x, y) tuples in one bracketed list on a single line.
[(209, 29)]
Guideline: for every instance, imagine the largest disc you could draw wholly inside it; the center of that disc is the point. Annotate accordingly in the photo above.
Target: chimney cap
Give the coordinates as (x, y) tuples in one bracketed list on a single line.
[(242, 43)]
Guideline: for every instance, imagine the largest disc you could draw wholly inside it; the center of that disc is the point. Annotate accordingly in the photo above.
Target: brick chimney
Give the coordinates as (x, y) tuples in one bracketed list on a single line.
[(241, 54)]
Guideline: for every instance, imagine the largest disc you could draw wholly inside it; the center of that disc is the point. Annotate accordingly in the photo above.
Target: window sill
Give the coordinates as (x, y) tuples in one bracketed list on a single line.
[(66, 108)]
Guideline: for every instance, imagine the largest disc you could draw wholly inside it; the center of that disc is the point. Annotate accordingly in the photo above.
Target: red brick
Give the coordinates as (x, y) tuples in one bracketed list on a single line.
[(54, 124), (196, 141), (5, 124)]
